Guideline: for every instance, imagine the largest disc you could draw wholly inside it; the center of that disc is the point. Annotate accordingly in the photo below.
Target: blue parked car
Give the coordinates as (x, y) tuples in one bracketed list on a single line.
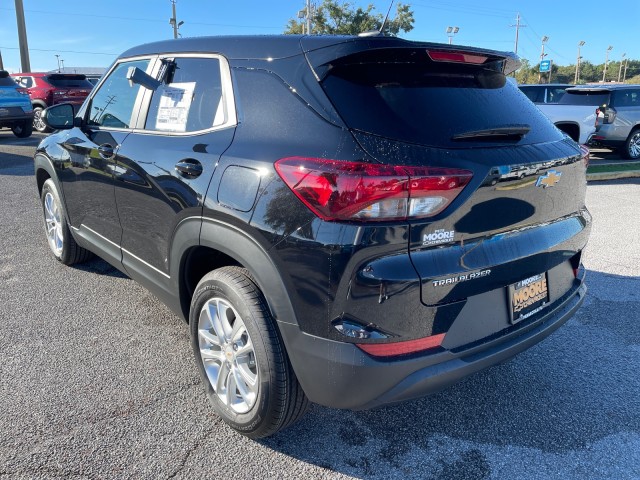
[(16, 111)]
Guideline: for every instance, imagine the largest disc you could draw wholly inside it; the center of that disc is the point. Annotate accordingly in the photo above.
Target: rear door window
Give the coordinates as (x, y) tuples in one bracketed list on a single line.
[(555, 94), (190, 99), (402, 94), (626, 98), (535, 94)]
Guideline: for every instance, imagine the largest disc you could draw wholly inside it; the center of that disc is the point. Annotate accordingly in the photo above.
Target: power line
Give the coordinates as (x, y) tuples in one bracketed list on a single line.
[(480, 10), (149, 20), (62, 51), (548, 47)]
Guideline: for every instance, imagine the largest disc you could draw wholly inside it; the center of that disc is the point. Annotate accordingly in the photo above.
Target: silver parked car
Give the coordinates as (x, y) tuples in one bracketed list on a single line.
[(618, 121)]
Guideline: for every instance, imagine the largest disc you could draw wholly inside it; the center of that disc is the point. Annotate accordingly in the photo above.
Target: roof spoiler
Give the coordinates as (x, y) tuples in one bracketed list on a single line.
[(321, 51)]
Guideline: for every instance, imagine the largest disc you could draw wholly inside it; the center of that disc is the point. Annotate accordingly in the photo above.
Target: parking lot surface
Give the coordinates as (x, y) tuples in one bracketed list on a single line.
[(98, 379)]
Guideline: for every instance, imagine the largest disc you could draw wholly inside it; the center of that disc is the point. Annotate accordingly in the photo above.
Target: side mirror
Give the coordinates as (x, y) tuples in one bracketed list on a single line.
[(59, 117)]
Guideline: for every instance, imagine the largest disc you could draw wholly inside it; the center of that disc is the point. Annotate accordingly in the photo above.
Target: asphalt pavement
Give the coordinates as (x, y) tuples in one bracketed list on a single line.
[(98, 379)]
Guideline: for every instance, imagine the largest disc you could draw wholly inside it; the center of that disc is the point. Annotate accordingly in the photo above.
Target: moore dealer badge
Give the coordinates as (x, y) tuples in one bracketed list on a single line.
[(437, 237)]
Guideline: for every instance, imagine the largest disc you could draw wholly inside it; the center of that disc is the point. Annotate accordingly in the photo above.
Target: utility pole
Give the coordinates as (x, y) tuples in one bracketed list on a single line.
[(1, 64), (606, 62), (518, 26), (577, 79), (173, 21), (25, 65), (308, 17), (542, 55), (626, 64), (620, 69)]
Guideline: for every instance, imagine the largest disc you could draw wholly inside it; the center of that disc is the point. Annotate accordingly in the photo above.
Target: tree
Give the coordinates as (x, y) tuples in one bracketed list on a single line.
[(334, 18)]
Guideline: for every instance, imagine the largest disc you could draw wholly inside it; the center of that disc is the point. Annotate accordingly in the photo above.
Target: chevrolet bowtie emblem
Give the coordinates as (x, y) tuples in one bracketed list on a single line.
[(549, 179)]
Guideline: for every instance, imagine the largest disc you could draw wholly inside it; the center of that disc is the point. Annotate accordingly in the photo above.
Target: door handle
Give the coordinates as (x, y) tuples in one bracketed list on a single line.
[(105, 151), (189, 168)]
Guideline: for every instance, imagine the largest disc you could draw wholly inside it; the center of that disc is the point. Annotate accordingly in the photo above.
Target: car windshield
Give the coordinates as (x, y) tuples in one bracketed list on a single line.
[(584, 97)]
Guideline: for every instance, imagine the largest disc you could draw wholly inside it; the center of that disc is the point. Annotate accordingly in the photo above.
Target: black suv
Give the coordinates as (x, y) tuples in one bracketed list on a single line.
[(324, 212)]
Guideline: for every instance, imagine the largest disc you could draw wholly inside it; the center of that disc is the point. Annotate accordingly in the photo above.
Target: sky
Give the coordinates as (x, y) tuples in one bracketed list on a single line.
[(94, 33)]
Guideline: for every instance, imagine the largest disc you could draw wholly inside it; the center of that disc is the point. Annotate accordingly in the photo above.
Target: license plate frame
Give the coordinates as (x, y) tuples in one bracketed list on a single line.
[(528, 296)]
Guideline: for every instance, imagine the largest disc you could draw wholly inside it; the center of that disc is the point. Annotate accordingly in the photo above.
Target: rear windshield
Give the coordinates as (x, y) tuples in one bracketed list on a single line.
[(69, 81), (586, 97), (7, 82), (406, 96)]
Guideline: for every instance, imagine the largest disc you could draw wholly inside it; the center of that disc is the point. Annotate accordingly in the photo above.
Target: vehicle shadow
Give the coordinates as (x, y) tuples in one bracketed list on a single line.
[(563, 395), (100, 267)]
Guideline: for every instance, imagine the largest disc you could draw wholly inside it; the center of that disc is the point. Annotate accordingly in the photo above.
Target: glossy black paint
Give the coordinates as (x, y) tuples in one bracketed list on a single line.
[(167, 208), (153, 196)]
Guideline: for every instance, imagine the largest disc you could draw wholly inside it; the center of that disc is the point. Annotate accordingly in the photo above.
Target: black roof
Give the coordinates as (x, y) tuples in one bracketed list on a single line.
[(237, 47), (282, 46)]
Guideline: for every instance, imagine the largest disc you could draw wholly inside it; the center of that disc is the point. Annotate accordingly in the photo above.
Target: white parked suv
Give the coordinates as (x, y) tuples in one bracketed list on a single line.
[(618, 123), (575, 113)]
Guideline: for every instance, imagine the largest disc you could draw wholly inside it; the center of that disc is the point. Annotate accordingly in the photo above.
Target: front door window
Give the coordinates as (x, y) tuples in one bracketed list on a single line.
[(112, 105)]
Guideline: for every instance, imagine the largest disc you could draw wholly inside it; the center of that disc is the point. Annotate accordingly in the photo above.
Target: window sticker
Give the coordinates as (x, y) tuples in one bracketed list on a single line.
[(175, 102)]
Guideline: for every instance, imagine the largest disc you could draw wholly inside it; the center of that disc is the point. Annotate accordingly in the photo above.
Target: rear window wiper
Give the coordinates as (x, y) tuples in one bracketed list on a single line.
[(511, 132)]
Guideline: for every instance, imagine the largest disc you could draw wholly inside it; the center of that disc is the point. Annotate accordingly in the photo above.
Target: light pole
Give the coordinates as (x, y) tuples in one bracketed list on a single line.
[(545, 39), (577, 79), (173, 21), (606, 62), (62, 63), (620, 69), (58, 59), (451, 31), (626, 64)]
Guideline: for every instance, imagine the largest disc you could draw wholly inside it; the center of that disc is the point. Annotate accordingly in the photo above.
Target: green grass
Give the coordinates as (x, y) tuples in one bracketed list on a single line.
[(624, 167)]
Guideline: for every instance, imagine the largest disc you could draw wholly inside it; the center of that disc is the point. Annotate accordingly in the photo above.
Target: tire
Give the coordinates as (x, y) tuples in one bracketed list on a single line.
[(241, 359), (62, 244), (23, 130), (631, 148), (38, 124)]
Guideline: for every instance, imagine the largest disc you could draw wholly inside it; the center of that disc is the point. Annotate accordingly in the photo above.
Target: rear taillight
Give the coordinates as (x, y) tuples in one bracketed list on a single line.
[(456, 57), (609, 115), (584, 150), (358, 191)]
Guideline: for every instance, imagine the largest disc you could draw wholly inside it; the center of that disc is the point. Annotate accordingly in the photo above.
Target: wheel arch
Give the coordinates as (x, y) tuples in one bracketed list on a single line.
[(201, 245), (570, 128), (44, 170)]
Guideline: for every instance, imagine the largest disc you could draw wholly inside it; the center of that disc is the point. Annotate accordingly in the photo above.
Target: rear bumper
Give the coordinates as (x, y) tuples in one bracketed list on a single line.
[(11, 120), (340, 375), (610, 134)]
